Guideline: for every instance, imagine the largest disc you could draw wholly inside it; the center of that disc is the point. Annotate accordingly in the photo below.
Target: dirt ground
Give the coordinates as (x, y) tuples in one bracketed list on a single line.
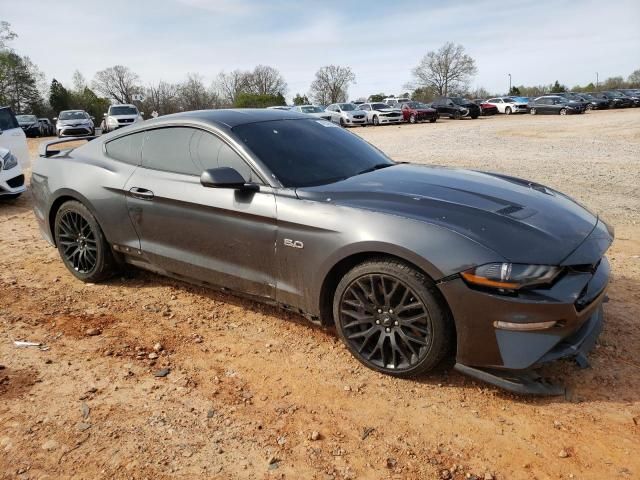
[(253, 392)]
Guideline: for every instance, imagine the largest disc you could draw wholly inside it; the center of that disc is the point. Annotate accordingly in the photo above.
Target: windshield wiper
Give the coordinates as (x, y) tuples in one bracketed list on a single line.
[(378, 166)]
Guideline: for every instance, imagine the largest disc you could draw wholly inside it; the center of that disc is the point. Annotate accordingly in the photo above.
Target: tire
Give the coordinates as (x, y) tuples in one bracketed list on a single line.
[(342, 122), (589, 107), (412, 118), (457, 115), (81, 243), (376, 121), (507, 111), (406, 343), (432, 120), (563, 111), (533, 111), (473, 117)]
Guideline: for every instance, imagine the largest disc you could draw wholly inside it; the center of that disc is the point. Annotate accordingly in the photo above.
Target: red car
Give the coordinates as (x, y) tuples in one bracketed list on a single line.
[(486, 108), (413, 112)]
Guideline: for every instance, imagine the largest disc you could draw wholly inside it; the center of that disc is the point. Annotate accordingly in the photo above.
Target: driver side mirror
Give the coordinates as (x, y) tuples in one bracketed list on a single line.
[(226, 177), (104, 114), (55, 119)]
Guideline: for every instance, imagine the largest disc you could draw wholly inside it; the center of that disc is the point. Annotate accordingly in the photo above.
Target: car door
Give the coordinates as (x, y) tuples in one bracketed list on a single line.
[(221, 236)]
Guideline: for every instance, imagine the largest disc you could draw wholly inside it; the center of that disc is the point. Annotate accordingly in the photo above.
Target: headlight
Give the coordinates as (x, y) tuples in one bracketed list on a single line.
[(112, 121), (10, 161), (510, 276)]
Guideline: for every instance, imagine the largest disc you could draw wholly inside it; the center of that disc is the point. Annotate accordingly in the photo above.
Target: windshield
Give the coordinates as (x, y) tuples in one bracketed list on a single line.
[(347, 107), (378, 106), (304, 153), (78, 115), (311, 109), (459, 100), (26, 118), (123, 110)]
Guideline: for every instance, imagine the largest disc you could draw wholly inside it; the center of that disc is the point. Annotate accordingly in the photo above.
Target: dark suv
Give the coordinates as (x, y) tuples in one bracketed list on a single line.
[(456, 107)]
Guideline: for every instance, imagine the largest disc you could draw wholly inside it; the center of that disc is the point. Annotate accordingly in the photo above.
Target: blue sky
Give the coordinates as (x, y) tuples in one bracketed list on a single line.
[(536, 41)]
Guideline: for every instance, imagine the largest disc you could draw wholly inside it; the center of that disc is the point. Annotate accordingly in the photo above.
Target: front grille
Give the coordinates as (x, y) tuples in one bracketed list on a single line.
[(125, 120), (358, 116), (391, 114), (75, 131), (16, 182)]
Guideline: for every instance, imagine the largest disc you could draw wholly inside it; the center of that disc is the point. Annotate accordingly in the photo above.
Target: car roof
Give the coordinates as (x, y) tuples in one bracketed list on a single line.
[(231, 117)]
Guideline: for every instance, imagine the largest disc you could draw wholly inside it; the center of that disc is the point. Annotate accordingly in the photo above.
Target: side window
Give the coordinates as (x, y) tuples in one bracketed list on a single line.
[(167, 149), (208, 151), (126, 149)]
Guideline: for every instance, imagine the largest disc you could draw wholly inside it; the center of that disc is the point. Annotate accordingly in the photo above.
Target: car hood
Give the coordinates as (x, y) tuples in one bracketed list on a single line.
[(522, 221)]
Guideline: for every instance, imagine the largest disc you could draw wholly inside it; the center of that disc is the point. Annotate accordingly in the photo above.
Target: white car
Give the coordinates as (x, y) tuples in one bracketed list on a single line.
[(12, 137), (381, 113), (74, 123), (395, 102), (347, 114), (11, 176), (120, 116), (313, 111), (508, 105)]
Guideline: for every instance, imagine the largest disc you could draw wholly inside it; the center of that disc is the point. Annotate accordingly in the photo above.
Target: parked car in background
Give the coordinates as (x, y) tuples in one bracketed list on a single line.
[(633, 98), (554, 104), (119, 116), (312, 110), (404, 260), (11, 176), (12, 137), (74, 123), (280, 107), (592, 102), (381, 113), (48, 129), (572, 97), (508, 105), (615, 99), (456, 107), (347, 114), (394, 102), (30, 125), (486, 108), (414, 112)]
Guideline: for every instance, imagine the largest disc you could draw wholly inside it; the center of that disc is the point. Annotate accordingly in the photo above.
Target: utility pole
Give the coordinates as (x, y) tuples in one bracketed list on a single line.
[(509, 92), (597, 80)]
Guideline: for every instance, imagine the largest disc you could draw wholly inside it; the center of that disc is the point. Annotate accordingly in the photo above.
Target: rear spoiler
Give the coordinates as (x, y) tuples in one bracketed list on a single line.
[(44, 151)]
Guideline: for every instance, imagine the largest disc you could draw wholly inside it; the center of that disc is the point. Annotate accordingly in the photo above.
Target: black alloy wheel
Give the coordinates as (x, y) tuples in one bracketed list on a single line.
[(81, 243), (533, 111), (391, 319)]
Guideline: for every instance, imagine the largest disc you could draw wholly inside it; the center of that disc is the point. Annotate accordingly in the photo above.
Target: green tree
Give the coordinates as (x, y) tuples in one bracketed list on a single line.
[(557, 88), (59, 97), (256, 100), (514, 91), (589, 88), (18, 83), (377, 97), (300, 100), (424, 94)]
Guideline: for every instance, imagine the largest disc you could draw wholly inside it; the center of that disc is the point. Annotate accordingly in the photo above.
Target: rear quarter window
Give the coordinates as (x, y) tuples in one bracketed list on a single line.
[(127, 149)]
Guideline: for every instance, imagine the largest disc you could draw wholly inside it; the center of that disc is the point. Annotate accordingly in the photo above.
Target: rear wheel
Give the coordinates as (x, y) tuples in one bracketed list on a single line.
[(457, 115), (81, 243), (391, 318)]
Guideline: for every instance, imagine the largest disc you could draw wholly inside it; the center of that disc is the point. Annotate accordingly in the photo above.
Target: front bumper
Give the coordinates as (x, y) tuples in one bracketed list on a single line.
[(75, 131), (520, 109), (11, 183), (31, 131), (355, 121), (384, 119)]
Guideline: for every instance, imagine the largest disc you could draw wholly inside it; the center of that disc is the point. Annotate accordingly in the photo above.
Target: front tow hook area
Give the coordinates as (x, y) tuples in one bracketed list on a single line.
[(524, 383)]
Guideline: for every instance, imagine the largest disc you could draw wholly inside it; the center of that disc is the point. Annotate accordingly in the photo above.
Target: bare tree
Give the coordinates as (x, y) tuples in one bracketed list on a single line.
[(447, 70), (230, 85), (634, 78), (118, 82), (331, 84), (6, 34), (193, 95), (162, 98), (265, 80)]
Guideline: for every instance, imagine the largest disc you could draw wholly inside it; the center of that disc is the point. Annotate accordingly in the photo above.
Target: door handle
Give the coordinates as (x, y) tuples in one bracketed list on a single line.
[(141, 193)]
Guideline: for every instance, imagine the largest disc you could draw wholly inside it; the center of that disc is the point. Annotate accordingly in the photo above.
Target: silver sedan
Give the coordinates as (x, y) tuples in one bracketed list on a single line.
[(381, 113)]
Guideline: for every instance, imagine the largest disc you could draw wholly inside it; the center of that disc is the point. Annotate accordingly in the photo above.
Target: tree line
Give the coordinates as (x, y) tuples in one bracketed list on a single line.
[(443, 72)]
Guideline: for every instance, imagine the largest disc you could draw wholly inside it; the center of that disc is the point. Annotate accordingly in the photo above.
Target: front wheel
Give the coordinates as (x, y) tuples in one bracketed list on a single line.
[(341, 122), (81, 243), (507, 111), (412, 118), (563, 111), (392, 318), (432, 120), (376, 120), (457, 115)]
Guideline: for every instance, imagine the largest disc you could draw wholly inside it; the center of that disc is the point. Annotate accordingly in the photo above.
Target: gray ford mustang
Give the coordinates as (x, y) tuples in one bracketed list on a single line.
[(406, 261)]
